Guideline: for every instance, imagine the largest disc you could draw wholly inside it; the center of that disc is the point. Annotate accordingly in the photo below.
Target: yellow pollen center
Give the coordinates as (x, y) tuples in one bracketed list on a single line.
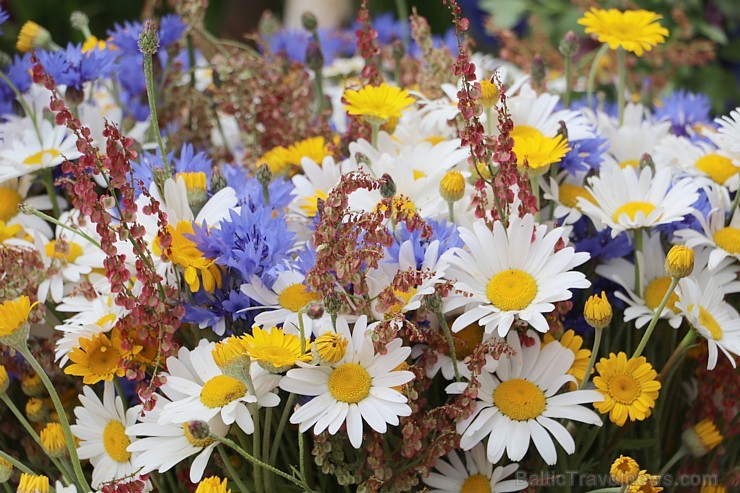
[(195, 442), (67, 250), (624, 388), (115, 441), (632, 208), (511, 290), (629, 163), (477, 483), (295, 297), (221, 390), (718, 168), (728, 239), (465, 341), (9, 201), (569, 195), (103, 360), (708, 322), (311, 204), (42, 157), (519, 399), (656, 290), (350, 383)]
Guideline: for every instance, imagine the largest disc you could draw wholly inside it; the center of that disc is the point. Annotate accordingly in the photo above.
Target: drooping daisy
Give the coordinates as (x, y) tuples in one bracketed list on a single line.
[(477, 474), (518, 403), (633, 30), (285, 303), (377, 104), (101, 428), (206, 392), (275, 350), (538, 152), (717, 321), (33, 152), (629, 387), (161, 446), (358, 387), (629, 199), (512, 272)]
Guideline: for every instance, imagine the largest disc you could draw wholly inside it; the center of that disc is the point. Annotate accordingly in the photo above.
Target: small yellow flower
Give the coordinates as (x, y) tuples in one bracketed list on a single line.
[(634, 30), (97, 359), (52, 440), (538, 151), (452, 186), (212, 484), (712, 488), (489, 94), (92, 43), (33, 484), (581, 355), (629, 387), (645, 483), (598, 311), (37, 410), (624, 470), (377, 104), (701, 438), (32, 36), (286, 161), (275, 350), (14, 320), (679, 262), (4, 380), (32, 386), (329, 348)]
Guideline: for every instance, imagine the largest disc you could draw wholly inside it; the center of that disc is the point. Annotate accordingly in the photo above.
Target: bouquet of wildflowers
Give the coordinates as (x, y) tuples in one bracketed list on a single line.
[(371, 260)]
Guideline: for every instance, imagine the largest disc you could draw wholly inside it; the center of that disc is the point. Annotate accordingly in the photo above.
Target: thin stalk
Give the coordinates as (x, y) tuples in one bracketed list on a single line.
[(374, 129), (26, 353), (24, 105), (17, 464), (621, 81), (258, 481), (149, 76), (302, 454), (35, 212), (568, 83), (592, 359), (638, 248), (48, 179), (403, 17), (232, 472), (280, 428), (592, 74), (450, 342), (680, 453), (535, 181), (677, 354), (656, 317), (735, 205), (451, 210)]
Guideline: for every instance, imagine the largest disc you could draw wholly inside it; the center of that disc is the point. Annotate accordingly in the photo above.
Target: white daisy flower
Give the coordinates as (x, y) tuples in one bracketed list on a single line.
[(358, 387), (531, 111), (637, 135), (564, 193), (13, 193), (717, 321), (512, 272), (654, 283), (476, 474), (629, 199), (727, 137), (518, 403), (33, 152), (162, 446), (699, 160), (101, 428), (724, 240), (285, 302), (316, 182), (201, 391)]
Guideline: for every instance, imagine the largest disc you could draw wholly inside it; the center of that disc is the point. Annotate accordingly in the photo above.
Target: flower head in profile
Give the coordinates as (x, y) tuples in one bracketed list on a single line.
[(14, 320), (377, 104), (539, 151), (629, 387), (30, 483), (213, 484), (624, 470), (275, 350), (633, 30)]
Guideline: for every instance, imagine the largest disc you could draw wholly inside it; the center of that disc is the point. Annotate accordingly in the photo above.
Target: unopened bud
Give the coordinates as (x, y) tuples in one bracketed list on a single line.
[(199, 430), (315, 310), (397, 50), (160, 176), (538, 70), (32, 36), (74, 96), (332, 304), (387, 186), (309, 21), (362, 159), (264, 175), (646, 160), (314, 56), (148, 39), (569, 45), (79, 20), (679, 262), (702, 438), (218, 181), (452, 186), (5, 59)]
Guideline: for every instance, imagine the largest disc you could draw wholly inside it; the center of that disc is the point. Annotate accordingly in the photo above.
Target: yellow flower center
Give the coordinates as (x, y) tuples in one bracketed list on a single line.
[(718, 168), (435, 139), (195, 442), (350, 383), (525, 132), (93, 43), (569, 195), (511, 290), (221, 390), (8, 232), (655, 291), (707, 321), (538, 151), (624, 388), (42, 157), (489, 93), (728, 239), (311, 204), (519, 399), (452, 186), (103, 360), (477, 483), (115, 441), (629, 163), (296, 296), (465, 341), (9, 201), (105, 319), (632, 208), (67, 250)]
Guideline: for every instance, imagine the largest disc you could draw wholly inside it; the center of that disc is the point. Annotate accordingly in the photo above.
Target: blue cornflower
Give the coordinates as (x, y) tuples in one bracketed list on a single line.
[(305, 259), (584, 154), (684, 110), (3, 17), (71, 67), (251, 242), (18, 73), (249, 189), (187, 161), (599, 244), (171, 29), (293, 42), (190, 161), (444, 232), (387, 27)]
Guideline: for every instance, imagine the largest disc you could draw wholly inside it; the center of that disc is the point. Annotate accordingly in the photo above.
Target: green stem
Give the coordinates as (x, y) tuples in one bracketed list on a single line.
[(48, 179), (6, 487), (450, 342), (489, 123), (302, 454), (621, 81), (638, 249), (592, 74), (149, 76), (258, 481), (26, 353), (592, 359), (17, 464), (57, 222), (535, 181), (403, 17), (232, 472), (656, 317), (568, 84), (24, 105), (672, 461), (281, 426), (676, 355), (374, 129), (451, 210)]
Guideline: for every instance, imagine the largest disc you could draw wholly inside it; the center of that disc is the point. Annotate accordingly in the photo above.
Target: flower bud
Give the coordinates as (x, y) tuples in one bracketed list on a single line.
[(646, 160), (569, 45), (199, 430), (562, 130), (490, 93), (309, 21), (598, 311), (148, 39), (452, 186), (37, 410), (32, 386), (315, 310), (624, 470), (4, 380), (387, 186), (538, 70), (264, 175), (6, 470), (314, 56), (79, 20), (52, 440), (32, 36), (679, 262), (702, 438)]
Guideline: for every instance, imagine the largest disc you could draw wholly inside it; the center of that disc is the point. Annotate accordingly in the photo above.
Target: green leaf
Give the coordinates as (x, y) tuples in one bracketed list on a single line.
[(713, 32)]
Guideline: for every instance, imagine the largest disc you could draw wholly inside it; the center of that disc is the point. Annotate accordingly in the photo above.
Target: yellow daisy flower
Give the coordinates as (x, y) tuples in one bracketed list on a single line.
[(212, 484), (645, 483), (629, 387), (538, 151), (634, 30), (575, 343), (14, 320), (275, 350), (329, 348), (624, 470), (184, 252), (52, 440), (33, 484), (377, 104), (97, 359)]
